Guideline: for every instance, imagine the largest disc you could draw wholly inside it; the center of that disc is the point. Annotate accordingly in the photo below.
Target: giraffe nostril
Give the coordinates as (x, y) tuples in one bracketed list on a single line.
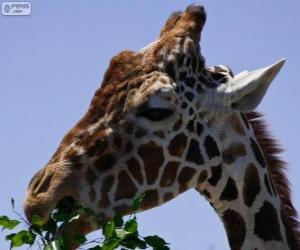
[(42, 183), (34, 182)]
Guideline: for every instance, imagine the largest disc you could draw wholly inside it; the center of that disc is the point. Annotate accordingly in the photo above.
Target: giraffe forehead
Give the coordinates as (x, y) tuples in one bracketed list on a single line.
[(158, 92), (121, 97)]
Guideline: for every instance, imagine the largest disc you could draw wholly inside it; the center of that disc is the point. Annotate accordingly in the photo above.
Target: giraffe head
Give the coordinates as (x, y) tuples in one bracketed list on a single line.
[(152, 126)]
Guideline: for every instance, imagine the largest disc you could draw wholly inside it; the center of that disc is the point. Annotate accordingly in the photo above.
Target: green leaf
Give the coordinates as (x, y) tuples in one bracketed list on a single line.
[(155, 241), (109, 229), (10, 236), (118, 220), (7, 223), (136, 204), (60, 216), (21, 238), (12, 202), (50, 226), (37, 220), (131, 226), (111, 244), (95, 248), (121, 233), (161, 248), (54, 245), (133, 242)]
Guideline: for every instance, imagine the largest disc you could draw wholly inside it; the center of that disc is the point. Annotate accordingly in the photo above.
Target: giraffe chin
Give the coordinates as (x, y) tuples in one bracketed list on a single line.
[(81, 226), (37, 207)]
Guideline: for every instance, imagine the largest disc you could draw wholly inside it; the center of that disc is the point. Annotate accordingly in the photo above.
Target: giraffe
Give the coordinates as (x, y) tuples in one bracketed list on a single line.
[(162, 123)]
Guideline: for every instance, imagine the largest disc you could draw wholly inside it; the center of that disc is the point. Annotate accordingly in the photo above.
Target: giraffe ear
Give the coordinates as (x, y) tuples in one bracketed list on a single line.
[(247, 89)]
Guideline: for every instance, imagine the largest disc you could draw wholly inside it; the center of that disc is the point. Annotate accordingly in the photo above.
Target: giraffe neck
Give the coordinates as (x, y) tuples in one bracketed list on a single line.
[(242, 193)]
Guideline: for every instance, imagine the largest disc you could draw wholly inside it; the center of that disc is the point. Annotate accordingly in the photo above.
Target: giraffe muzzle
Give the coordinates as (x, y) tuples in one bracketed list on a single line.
[(46, 189)]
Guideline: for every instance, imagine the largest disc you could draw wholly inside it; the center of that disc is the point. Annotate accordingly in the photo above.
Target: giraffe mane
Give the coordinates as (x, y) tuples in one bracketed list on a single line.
[(277, 169)]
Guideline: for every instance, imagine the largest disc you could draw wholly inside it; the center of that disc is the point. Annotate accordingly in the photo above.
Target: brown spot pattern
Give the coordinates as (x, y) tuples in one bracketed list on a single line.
[(177, 145), (211, 147), (185, 176), (234, 151), (177, 125), (129, 126), (168, 196), (122, 209), (190, 126), (90, 176), (126, 189), (117, 141), (140, 132), (267, 183), (128, 147), (153, 158), (200, 129), (236, 124), (135, 169), (267, 224), (230, 191), (216, 174), (92, 194), (105, 188), (258, 153), (251, 187), (235, 227), (206, 194), (105, 162), (169, 174), (97, 148), (150, 199), (193, 154), (202, 176)]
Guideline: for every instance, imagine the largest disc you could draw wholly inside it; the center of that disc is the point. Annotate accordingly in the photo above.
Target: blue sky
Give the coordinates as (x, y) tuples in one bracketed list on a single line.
[(52, 62)]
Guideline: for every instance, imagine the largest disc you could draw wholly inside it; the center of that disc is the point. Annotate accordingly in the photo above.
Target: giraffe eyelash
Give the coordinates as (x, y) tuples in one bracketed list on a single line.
[(155, 114)]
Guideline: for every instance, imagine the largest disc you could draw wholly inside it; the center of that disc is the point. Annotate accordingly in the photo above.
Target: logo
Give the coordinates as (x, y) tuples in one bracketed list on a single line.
[(16, 8)]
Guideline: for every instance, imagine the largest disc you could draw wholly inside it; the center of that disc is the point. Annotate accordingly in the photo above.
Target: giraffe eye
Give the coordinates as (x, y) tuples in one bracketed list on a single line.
[(155, 114)]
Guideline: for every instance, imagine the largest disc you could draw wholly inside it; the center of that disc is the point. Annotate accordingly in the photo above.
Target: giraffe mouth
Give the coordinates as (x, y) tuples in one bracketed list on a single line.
[(66, 205)]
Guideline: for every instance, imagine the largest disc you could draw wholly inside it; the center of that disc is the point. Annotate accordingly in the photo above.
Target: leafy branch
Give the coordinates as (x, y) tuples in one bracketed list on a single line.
[(117, 233)]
